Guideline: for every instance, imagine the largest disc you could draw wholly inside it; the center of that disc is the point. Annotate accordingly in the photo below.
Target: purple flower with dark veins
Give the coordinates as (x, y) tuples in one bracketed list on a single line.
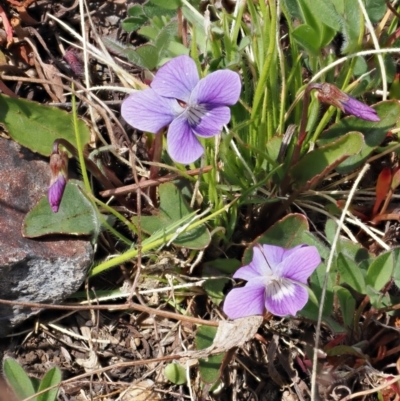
[(330, 94), (58, 167), (276, 281), (192, 107)]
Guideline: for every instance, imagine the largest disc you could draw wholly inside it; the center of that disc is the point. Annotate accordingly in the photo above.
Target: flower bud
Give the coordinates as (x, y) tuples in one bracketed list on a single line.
[(330, 94), (58, 167)]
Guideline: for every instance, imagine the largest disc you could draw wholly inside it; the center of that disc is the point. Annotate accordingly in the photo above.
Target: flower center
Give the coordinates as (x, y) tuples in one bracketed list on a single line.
[(278, 288), (195, 113)]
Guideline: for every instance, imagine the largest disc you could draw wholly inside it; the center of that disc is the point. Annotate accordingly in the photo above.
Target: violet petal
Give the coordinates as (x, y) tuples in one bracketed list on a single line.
[(289, 299), (218, 88), (183, 145), (273, 254), (147, 111), (176, 78), (246, 301), (300, 264), (256, 268), (212, 122), (356, 108), (55, 192)]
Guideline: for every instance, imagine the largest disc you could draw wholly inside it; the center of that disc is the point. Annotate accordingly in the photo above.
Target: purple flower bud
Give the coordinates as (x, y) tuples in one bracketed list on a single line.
[(330, 94), (58, 167), (74, 61)]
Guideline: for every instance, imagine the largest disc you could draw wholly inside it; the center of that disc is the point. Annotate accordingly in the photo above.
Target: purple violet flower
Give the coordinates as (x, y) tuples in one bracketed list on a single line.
[(192, 107), (330, 94), (58, 167), (276, 280)]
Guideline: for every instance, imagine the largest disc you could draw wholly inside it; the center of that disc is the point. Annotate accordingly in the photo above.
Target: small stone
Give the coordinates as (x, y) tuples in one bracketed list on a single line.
[(45, 270)]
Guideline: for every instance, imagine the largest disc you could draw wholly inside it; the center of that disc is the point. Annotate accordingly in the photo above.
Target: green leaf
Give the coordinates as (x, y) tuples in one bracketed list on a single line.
[(154, 10), (149, 54), (313, 166), (347, 305), (306, 36), (135, 11), (132, 24), (286, 233), (209, 368), (51, 378), (167, 4), (172, 209), (205, 336), (380, 271), (325, 13), (76, 216), (374, 132), (351, 250), (165, 36), (360, 66), (317, 280), (149, 32), (175, 373), (352, 23), (376, 9), (350, 273), (214, 289), (215, 267), (18, 379), (396, 268), (36, 126)]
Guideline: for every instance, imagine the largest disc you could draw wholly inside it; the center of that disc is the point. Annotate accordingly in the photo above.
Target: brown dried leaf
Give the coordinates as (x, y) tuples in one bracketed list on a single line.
[(229, 335)]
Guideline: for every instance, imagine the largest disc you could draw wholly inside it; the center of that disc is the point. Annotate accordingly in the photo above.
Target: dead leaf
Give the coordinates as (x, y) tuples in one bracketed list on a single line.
[(229, 335), (141, 391)]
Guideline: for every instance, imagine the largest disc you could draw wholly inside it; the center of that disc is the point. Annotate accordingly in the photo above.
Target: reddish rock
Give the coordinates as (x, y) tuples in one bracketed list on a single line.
[(43, 270)]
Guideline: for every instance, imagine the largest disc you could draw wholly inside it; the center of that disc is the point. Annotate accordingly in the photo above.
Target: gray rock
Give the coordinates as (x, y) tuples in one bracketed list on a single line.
[(43, 270)]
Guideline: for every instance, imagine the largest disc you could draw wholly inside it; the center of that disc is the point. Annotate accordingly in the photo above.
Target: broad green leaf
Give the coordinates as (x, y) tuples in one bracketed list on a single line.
[(218, 266), (154, 10), (36, 126), (339, 5), (175, 373), (352, 23), (167, 4), (325, 13), (396, 268), (172, 209), (380, 271), (51, 378), (317, 280), (347, 305), (286, 232), (306, 36), (310, 311), (209, 368), (76, 216), (316, 164), (18, 379), (165, 36), (135, 11), (374, 132), (351, 250), (147, 56), (376, 9), (312, 240), (149, 32), (214, 288), (132, 24), (360, 66), (350, 273)]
